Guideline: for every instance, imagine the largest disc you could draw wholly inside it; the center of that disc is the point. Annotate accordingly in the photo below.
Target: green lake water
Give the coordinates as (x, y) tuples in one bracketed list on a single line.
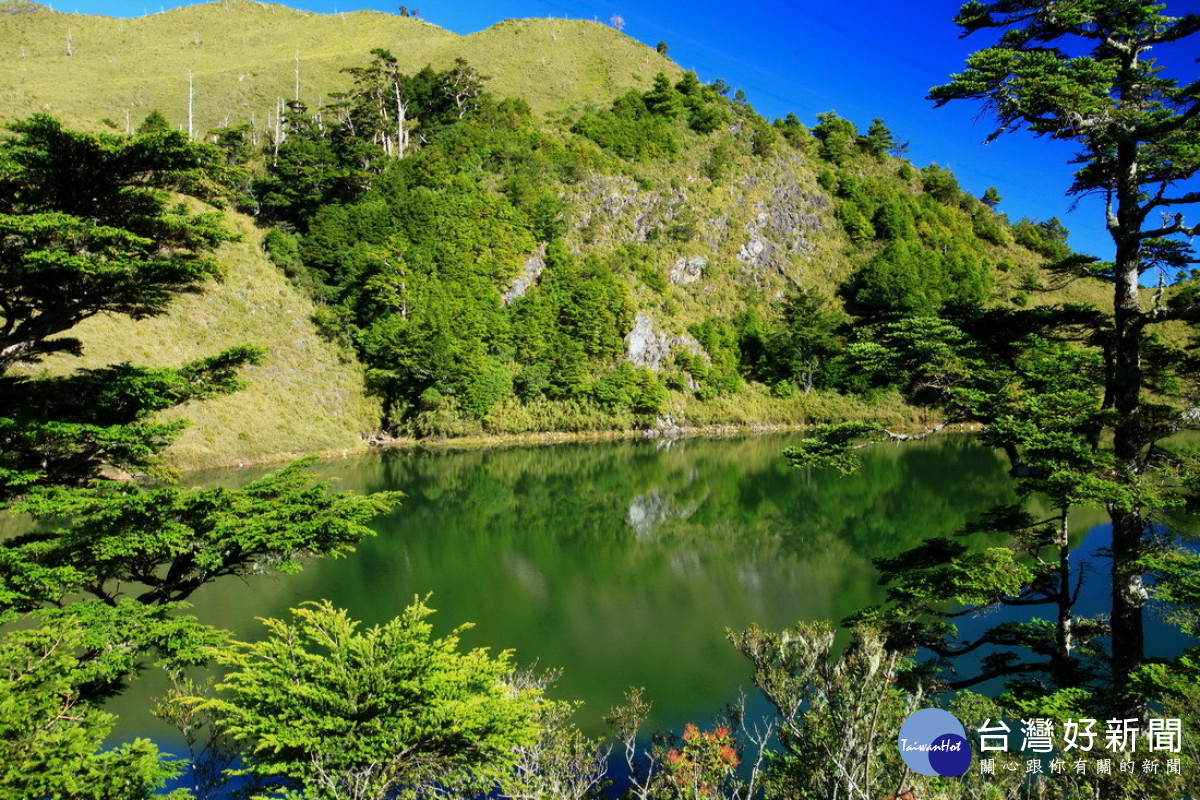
[(620, 563)]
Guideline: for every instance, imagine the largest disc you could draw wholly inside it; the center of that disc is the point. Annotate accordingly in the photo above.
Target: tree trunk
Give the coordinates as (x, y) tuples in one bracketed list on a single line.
[(1125, 384), (1128, 599), (401, 120), (1064, 634)]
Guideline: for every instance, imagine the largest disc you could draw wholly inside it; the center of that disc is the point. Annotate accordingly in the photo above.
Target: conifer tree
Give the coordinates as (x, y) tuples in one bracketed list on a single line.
[(1138, 136), (87, 227), (1082, 400)]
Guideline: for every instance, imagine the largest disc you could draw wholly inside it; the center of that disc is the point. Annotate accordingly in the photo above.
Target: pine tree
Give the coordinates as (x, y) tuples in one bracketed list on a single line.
[(1138, 137), (1082, 400), (87, 226)]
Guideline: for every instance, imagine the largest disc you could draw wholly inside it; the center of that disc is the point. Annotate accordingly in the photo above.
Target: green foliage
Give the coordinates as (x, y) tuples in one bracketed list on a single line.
[(941, 184), (832, 446), (166, 543), (842, 710), (895, 219), (858, 227), (880, 141), (926, 357), (616, 390), (325, 709), (87, 227), (412, 263), (806, 338), (638, 127), (663, 99), (561, 761), (908, 277), (630, 130), (154, 122), (763, 138), (719, 338), (335, 156), (990, 226), (1048, 238), (491, 383), (63, 430), (52, 741), (625, 388), (1055, 71), (836, 137), (284, 251), (795, 133)]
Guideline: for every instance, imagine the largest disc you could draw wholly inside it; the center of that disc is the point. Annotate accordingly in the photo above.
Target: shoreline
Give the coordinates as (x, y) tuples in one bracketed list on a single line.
[(375, 445)]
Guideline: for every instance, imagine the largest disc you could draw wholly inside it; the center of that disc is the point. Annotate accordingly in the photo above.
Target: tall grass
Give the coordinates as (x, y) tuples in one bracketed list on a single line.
[(306, 397), (242, 57)]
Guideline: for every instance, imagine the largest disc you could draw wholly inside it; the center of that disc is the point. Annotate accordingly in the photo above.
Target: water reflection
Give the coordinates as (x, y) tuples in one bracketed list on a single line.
[(624, 563)]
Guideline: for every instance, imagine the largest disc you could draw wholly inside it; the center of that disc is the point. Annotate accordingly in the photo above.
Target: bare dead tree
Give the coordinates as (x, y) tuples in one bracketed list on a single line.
[(190, 97)]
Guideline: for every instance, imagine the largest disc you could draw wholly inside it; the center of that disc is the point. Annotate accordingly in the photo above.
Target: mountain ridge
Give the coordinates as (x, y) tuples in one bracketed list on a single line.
[(704, 240), (242, 58)]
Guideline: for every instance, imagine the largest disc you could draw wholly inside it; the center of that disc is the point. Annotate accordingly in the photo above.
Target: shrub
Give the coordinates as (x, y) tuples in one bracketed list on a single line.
[(326, 708)]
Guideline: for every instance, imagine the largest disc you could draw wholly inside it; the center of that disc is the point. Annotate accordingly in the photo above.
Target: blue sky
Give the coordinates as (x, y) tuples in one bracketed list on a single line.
[(860, 58)]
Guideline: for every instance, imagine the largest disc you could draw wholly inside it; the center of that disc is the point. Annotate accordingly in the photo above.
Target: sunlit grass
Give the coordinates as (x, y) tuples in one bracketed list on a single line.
[(306, 397), (242, 57)]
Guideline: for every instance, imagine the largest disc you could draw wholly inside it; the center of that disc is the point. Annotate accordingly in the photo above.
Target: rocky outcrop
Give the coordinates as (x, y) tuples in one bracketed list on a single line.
[(616, 208), (528, 277), (687, 270), (780, 229), (646, 346)]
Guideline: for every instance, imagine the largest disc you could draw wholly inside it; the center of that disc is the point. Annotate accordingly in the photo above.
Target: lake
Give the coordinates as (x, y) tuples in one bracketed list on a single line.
[(620, 563)]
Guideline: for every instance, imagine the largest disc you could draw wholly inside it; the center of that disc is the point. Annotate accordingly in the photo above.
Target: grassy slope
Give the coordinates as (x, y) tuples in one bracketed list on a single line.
[(305, 397), (242, 58)]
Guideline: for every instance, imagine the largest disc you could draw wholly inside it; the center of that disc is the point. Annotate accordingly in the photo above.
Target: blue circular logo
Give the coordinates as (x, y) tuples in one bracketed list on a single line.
[(933, 742)]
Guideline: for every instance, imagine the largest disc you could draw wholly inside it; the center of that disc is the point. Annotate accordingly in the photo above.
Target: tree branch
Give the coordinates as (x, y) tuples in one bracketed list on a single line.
[(1159, 200), (916, 437), (1001, 672), (1168, 230), (1188, 313)]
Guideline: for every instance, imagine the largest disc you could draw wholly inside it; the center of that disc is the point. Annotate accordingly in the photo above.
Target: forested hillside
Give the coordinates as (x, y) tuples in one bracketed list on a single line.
[(542, 226)]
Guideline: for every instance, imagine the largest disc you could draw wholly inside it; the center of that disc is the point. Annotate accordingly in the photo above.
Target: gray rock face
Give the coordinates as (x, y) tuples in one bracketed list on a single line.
[(687, 270), (623, 211), (645, 346), (752, 250), (779, 231), (528, 277)]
